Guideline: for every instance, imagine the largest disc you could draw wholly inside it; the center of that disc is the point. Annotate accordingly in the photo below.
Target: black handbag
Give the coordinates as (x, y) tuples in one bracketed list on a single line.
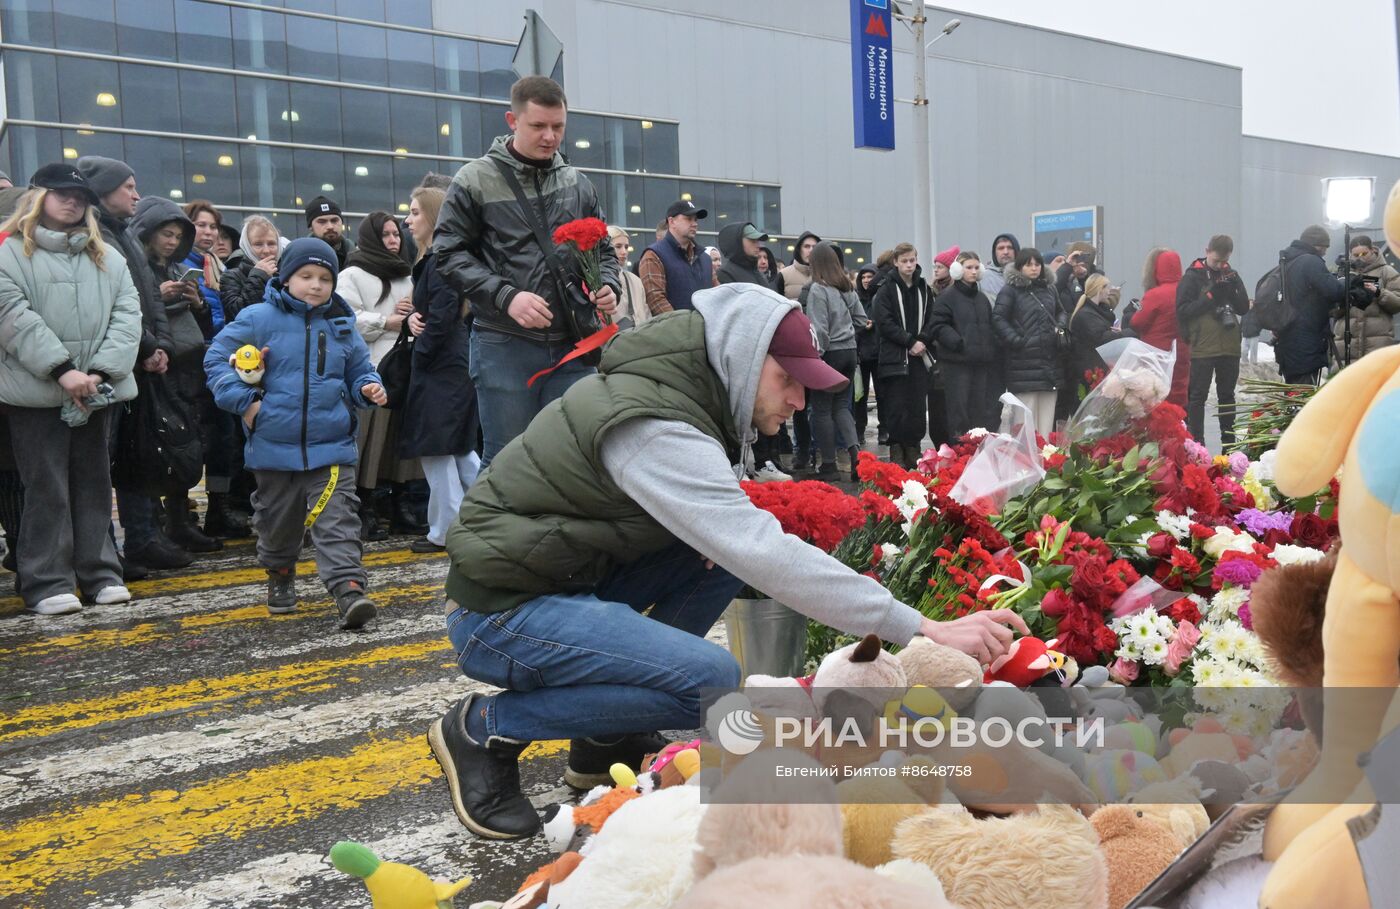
[(580, 313), (158, 448), (396, 369)]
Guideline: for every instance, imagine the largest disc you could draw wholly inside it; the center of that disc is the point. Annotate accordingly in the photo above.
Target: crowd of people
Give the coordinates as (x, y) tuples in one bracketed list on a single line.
[(123, 319)]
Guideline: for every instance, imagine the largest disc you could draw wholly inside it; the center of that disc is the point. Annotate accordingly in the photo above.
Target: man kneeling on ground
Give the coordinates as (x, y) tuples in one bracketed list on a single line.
[(623, 495)]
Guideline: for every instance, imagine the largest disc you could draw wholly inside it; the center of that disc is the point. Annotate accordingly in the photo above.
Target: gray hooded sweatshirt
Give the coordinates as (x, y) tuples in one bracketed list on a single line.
[(683, 478)]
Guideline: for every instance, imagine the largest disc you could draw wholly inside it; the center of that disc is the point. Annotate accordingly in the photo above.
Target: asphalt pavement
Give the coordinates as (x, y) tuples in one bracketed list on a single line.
[(187, 750)]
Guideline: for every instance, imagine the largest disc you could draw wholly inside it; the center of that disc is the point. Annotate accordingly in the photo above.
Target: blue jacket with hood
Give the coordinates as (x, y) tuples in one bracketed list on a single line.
[(316, 365)]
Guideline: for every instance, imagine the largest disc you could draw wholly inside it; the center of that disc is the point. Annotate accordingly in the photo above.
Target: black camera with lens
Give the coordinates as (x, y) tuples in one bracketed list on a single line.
[(1362, 290)]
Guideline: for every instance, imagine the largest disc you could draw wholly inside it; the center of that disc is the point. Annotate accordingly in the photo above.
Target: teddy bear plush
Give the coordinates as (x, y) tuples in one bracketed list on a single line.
[(956, 676), (754, 851), (1048, 858), (1136, 847), (873, 806), (1351, 424)]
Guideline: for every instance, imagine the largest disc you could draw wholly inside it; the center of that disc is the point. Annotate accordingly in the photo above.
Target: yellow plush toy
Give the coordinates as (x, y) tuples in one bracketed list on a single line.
[(1353, 423), (391, 885)]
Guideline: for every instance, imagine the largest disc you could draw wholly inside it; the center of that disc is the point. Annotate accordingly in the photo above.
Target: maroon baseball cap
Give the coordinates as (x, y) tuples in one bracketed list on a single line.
[(794, 346)]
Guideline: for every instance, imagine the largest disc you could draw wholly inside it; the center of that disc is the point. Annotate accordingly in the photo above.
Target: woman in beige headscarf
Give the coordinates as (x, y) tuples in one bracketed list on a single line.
[(632, 300)]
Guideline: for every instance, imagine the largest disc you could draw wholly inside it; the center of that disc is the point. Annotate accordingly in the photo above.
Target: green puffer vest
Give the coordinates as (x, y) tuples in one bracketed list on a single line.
[(545, 517)]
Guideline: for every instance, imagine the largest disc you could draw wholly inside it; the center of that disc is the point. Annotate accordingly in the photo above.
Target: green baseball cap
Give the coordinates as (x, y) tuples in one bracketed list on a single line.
[(753, 233)]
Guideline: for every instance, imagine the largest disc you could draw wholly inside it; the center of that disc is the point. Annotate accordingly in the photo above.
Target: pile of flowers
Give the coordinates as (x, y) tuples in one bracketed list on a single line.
[(1137, 551)]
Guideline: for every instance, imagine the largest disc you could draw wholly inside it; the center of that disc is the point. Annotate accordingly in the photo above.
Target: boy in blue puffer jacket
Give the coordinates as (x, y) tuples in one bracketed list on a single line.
[(301, 425)]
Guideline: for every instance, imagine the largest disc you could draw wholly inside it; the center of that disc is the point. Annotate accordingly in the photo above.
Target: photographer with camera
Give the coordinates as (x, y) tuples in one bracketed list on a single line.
[(1210, 299), (1374, 295), (1311, 292)]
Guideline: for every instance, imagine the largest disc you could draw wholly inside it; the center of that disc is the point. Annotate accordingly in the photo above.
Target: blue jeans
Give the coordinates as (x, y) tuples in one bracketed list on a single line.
[(500, 367), (591, 665)]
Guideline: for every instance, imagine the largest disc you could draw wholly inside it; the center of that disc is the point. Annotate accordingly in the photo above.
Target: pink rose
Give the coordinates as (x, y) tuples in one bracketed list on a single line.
[(1124, 672), (1179, 650)]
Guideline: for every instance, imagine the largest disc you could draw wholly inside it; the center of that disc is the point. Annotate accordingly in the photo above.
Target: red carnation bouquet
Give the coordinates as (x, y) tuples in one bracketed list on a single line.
[(583, 235)]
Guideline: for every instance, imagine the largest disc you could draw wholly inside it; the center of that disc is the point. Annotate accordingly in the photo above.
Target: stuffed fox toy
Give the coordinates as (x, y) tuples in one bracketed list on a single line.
[(1353, 423)]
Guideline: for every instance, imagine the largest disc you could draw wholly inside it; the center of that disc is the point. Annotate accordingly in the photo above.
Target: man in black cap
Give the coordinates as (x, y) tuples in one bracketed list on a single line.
[(675, 266), (323, 218)]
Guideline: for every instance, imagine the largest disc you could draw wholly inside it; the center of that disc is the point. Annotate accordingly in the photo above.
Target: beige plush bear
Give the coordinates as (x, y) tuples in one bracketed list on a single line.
[(1136, 847)]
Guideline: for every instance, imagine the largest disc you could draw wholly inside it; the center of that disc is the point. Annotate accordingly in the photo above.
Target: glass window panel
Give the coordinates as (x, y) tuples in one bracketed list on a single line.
[(702, 195), (658, 194), (263, 109), (260, 40), (361, 9), (660, 148), (207, 104), (418, 13), (289, 226), (411, 60), (459, 129), (362, 54), (87, 142), (27, 22), (314, 170), (161, 166), (408, 173), (87, 93), (87, 25), (456, 63), (412, 125), (267, 176), (315, 114), (604, 185), (583, 141), (558, 74), (623, 144), (368, 179), (497, 76), (212, 171), (731, 204), (311, 6), (493, 124), (366, 117), (30, 148), (311, 48), (764, 208), (203, 32), (635, 213), (158, 90), (146, 28), (31, 83)]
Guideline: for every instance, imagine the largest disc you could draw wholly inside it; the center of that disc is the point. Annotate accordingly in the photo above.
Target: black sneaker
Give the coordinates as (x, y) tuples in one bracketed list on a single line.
[(282, 591), (354, 606), (159, 555), (590, 759), (131, 571), (484, 779), (425, 545)]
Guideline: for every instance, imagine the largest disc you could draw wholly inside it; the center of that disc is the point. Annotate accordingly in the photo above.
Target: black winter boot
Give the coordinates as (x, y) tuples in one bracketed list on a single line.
[(484, 779), (182, 530), (221, 521)]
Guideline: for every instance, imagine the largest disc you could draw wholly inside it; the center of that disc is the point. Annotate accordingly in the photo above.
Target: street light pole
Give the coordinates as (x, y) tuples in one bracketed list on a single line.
[(915, 20)]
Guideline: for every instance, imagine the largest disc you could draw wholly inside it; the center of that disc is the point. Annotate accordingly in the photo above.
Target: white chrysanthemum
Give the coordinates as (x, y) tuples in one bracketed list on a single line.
[(1288, 554), (1179, 526), (1226, 604), (1164, 625), (1154, 653), (1127, 651), (913, 497)]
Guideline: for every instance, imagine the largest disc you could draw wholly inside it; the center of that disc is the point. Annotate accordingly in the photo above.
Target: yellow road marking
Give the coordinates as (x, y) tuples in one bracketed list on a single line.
[(231, 576), (90, 840), (47, 719), (152, 631)]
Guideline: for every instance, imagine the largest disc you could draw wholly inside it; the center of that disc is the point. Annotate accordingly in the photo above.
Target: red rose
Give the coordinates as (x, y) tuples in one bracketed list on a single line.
[(1056, 603), (1160, 546), (1310, 530)]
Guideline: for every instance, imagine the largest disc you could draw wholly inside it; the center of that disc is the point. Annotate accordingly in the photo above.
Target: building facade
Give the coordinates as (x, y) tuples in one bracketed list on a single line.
[(743, 108)]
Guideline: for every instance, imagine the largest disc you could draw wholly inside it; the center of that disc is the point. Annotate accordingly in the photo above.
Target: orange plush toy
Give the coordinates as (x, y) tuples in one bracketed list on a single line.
[(1353, 423)]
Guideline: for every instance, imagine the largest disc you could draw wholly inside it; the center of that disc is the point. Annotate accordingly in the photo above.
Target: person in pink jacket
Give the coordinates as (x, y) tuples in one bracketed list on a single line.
[(1155, 322)]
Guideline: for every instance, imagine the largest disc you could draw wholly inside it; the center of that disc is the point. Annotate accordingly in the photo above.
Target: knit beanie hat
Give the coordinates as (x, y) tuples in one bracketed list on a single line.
[(320, 206), (307, 251), (1316, 235), (947, 257), (104, 174)]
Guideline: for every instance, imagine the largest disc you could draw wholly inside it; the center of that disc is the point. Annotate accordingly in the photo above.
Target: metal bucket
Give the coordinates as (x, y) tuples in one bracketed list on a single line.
[(766, 637)]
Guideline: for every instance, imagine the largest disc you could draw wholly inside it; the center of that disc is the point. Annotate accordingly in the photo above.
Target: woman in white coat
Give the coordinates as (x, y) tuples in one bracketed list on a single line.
[(376, 283)]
